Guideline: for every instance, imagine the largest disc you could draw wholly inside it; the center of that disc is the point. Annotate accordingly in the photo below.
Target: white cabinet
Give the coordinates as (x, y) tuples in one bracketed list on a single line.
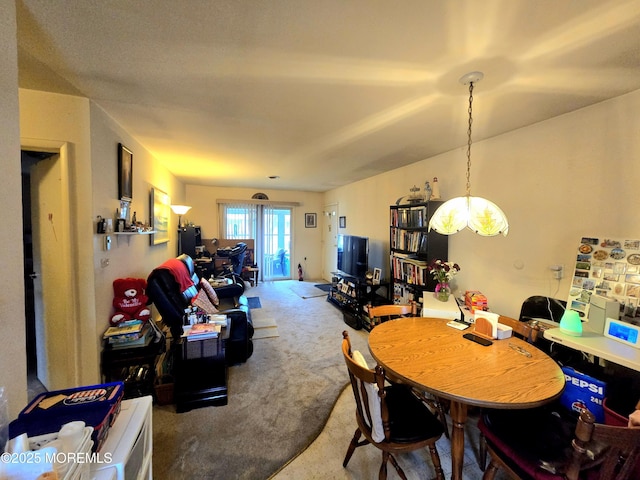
[(129, 443)]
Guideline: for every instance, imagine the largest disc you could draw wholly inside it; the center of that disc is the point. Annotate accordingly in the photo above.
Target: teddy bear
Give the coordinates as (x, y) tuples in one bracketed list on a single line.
[(129, 300)]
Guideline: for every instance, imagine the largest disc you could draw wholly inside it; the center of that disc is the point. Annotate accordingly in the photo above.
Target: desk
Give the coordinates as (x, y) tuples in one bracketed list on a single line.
[(598, 345), (425, 353)]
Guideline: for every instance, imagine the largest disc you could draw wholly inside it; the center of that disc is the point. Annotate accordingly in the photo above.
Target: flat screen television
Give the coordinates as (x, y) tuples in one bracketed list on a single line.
[(353, 255)]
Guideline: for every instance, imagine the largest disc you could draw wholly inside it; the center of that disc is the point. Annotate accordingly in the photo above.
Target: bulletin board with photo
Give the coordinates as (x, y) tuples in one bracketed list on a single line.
[(608, 267)]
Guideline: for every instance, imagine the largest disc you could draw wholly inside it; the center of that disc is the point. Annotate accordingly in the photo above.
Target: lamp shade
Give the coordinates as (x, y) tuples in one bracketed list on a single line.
[(180, 209), (475, 213), (571, 324)]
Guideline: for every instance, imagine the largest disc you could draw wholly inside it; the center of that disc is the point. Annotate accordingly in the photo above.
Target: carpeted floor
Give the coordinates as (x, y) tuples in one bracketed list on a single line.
[(279, 400), (307, 289), (323, 459)]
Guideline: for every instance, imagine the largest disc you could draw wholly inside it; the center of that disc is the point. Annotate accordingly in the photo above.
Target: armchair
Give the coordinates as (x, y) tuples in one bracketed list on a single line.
[(172, 286)]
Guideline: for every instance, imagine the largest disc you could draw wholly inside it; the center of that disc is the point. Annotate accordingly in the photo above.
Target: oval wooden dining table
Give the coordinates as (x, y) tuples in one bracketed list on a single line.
[(427, 354)]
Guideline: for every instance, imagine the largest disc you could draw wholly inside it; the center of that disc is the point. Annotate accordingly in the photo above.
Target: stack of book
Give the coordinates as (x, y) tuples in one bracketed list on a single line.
[(129, 334), (201, 331)]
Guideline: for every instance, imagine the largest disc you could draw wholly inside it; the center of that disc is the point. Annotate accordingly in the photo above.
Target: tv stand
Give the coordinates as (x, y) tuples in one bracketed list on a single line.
[(353, 295)]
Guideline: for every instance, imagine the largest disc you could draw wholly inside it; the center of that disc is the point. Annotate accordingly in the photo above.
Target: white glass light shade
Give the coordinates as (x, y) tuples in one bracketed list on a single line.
[(180, 209), (476, 213)]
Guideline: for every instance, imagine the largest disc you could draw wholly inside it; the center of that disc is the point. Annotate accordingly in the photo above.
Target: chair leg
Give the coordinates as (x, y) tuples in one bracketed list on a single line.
[(382, 475), (490, 472), (482, 461), (352, 447), (435, 459), (395, 464), (443, 417)]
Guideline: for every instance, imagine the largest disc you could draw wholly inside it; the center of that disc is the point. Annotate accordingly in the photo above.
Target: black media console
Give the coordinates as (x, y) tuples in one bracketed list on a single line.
[(354, 295)]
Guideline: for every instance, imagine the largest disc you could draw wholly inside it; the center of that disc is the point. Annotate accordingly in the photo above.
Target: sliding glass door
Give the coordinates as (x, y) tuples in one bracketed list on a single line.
[(270, 227), (277, 242)]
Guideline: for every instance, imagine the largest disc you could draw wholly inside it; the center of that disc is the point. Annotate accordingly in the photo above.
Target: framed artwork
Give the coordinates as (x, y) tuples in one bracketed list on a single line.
[(125, 173), (310, 220), (342, 222), (160, 210), (376, 276)]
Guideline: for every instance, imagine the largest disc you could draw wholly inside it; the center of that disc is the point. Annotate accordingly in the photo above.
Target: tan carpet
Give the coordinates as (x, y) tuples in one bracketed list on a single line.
[(307, 289), (279, 400), (264, 325)]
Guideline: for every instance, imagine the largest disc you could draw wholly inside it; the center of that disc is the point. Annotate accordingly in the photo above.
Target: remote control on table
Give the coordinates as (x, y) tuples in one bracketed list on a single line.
[(458, 325)]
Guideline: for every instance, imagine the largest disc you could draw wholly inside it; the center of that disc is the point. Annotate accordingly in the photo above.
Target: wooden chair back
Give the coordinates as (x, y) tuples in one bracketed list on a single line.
[(620, 459), (361, 379), (374, 417), (523, 330), (596, 452), (382, 313)]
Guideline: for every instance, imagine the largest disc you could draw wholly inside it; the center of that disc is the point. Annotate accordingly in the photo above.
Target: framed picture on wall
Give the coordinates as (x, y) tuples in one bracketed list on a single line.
[(343, 222), (310, 220), (160, 208), (125, 173)]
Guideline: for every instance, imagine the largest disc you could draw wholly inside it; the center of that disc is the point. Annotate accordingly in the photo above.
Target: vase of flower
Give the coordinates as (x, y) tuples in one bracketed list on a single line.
[(442, 292), (442, 273)]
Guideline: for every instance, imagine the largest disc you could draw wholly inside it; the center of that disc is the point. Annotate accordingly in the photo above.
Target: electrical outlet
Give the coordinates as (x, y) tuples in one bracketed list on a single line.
[(558, 271)]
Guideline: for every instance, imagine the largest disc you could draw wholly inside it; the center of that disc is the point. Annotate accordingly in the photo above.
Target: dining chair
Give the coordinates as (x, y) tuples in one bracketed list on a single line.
[(527, 332), (535, 447), (388, 415), (383, 313), (538, 306), (524, 330)]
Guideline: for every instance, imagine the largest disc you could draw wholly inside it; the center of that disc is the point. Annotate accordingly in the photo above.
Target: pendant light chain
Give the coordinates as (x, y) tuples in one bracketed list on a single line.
[(469, 139)]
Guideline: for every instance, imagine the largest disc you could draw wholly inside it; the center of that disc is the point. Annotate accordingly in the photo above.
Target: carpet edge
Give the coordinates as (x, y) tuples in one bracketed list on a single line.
[(313, 437)]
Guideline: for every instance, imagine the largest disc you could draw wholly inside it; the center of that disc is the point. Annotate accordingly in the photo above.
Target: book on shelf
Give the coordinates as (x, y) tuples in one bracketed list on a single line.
[(127, 328), (145, 337), (201, 331)]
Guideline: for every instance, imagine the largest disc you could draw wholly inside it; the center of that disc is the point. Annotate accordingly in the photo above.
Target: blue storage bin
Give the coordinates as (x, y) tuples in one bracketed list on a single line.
[(96, 405)]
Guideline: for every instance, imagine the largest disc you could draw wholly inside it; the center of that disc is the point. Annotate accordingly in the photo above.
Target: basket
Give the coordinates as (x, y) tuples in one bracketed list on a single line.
[(164, 393)]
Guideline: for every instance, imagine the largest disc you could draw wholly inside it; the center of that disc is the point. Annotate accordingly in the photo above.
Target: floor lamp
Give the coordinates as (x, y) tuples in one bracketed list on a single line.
[(180, 210)]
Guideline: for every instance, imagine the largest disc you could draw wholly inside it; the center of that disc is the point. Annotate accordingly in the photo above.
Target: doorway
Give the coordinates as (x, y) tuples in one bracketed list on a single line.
[(276, 235), (31, 272), (51, 335), (330, 240), (270, 226)]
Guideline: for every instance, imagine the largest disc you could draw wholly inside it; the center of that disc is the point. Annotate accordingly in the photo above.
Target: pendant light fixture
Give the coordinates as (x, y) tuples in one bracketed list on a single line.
[(477, 214)]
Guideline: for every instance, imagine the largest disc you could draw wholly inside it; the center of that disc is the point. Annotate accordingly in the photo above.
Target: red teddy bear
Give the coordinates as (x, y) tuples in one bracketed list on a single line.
[(129, 300)]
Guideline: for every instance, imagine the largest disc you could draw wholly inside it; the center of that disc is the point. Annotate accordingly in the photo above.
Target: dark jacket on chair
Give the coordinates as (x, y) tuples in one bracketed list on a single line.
[(173, 285)]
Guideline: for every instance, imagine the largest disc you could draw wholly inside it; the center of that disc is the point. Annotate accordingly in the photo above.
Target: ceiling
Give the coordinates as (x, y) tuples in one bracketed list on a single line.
[(324, 93)]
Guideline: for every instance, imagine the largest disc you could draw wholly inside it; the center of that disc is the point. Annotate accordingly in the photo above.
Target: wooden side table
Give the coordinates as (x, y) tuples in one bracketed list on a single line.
[(251, 274)]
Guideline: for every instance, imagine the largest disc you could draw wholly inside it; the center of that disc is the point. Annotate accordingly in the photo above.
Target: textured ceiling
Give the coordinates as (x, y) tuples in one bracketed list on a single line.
[(324, 93)]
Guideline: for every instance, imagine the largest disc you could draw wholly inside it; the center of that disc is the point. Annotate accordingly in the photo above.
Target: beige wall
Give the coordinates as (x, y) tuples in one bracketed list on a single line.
[(130, 256), (557, 180), (307, 241), (54, 122), (13, 362), (92, 138)]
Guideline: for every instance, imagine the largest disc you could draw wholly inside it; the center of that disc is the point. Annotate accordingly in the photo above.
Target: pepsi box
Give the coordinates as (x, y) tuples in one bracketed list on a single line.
[(583, 391), (96, 405)]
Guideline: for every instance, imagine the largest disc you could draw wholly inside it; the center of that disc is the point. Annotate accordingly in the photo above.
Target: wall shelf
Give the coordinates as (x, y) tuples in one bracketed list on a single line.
[(150, 232)]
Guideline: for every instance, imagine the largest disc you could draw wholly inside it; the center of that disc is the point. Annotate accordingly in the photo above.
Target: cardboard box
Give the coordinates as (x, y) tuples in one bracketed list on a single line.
[(96, 405), (583, 391), (475, 300)]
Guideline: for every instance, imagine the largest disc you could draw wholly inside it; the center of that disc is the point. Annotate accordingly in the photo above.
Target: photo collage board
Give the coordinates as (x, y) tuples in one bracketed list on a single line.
[(607, 267)]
